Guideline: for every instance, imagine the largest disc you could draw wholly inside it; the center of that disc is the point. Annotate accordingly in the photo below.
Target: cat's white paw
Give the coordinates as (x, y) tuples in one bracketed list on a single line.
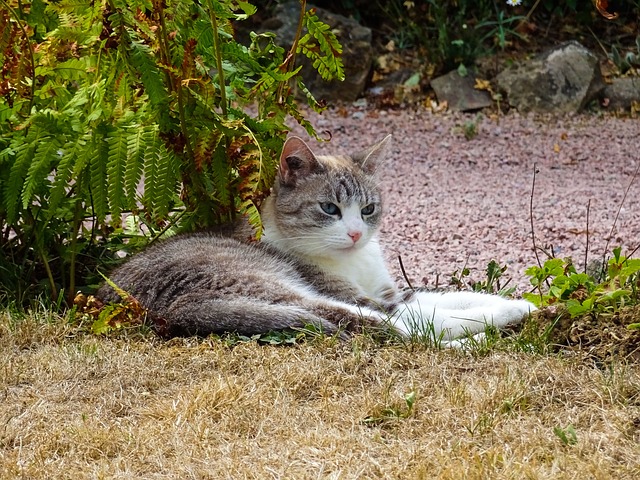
[(513, 312)]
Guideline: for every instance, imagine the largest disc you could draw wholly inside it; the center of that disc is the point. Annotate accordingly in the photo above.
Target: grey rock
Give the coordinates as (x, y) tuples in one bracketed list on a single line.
[(357, 51), (622, 92), (564, 79), (459, 92)]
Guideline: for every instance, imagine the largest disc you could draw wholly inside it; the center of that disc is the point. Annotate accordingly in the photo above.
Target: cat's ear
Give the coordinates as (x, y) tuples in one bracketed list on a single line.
[(370, 159), (297, 160)]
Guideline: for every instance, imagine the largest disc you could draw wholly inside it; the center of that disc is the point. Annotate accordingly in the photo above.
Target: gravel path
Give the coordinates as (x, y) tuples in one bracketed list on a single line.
[(453, 202)]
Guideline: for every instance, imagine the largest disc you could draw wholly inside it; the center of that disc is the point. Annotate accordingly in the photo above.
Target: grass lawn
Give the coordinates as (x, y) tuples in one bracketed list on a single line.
[(130, 405)]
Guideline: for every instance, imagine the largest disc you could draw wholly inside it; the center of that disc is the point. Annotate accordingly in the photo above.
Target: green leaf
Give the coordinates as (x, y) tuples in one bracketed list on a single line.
[(143, 60), (71, 152), (37, 176), (325, 54), (137, 145), (98, 175), (23, 153), (116, 167)]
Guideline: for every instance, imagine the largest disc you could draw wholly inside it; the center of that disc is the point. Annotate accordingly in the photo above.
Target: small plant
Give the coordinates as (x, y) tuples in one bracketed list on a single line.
[(470, 128), (393, 412), (566, 435), (492, 284), (558, 282), (630, 59)]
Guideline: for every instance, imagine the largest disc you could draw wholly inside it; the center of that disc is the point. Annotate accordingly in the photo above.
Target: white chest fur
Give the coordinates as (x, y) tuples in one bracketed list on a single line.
[(364, 268)]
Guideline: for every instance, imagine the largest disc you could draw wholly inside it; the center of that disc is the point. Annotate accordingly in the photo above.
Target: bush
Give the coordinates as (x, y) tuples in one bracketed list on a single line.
[(135, 110)]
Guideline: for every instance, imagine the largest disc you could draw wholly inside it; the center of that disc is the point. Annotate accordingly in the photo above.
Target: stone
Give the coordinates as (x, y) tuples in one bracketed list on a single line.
[(459, 92), (357, 51), (622, 93), (563, 79)]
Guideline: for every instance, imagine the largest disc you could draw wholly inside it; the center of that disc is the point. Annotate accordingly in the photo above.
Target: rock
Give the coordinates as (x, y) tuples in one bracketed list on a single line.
[(459, 92), (357, 51), (622, 93), (562, 80)]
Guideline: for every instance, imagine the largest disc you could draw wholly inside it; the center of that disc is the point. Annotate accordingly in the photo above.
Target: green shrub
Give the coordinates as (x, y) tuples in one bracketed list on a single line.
[(115, 109)]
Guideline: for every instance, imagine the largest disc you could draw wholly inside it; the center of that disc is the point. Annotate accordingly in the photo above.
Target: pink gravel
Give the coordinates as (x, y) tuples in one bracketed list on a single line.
[(452, 202)]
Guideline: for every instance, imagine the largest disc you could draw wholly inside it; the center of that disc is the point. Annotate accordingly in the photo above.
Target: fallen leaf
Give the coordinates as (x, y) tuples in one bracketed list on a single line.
[(482, 85), (556, 148), (601, 6)]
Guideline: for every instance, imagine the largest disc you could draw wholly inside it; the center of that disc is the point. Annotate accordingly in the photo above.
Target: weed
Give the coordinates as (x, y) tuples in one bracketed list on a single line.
[(491, 284), (558, 282), (392, 412), (566, 435), (630, 59)]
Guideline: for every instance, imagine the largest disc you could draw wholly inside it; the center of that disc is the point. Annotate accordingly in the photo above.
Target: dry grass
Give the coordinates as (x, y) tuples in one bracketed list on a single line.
[(76, 406)]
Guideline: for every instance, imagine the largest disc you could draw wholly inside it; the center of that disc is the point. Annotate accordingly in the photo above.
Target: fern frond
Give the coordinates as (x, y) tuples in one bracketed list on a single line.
[(220, 174), (166, 181), (46, 155), (116, 167), (249, 209), (136, 148), (24, 153), (143, 61), (98, 176), (205, 144), (151, 155), (325, 54), (71, 152)]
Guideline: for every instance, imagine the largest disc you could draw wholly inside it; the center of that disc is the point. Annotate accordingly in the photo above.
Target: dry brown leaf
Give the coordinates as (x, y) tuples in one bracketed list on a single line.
[(483, 85), (601, 6)]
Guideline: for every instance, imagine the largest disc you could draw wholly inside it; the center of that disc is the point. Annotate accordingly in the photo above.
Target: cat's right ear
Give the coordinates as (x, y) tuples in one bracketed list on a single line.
[(296, 161)]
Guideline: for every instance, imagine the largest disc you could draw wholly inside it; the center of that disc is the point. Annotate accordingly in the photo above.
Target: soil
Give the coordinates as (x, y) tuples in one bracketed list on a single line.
[(454, 203)]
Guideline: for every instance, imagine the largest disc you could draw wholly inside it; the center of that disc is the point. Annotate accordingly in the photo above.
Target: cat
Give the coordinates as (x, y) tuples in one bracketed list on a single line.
[(319, 263)]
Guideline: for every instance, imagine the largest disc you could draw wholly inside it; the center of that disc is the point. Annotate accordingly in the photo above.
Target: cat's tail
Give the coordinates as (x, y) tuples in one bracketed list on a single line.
[(192, 315)]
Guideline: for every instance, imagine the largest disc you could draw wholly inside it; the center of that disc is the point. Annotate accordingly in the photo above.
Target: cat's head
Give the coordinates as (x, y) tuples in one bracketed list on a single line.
[(324, 205)]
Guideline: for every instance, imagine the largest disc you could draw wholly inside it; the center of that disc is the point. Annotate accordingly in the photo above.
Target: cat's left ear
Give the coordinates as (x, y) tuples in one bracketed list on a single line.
[(370, 159), (297, 161)]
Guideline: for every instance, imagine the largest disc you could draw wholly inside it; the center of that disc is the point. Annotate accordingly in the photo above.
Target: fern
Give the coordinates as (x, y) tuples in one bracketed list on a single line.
[(325, 54), (71, 152), (46, 154), (137, 105), (116, 167), (220, 175), (144, 63), (136, 148), (98, 176), (23, 154)]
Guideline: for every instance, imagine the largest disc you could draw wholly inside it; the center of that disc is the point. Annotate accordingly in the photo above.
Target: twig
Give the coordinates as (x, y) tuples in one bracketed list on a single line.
[(586, 250), (404, 274), (528, 15), (615, 220), (218, 53), (533, 234), (633, 251), (604, 50)]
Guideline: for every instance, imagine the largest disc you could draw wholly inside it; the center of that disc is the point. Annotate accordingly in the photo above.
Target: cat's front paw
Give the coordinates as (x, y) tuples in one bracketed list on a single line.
[(515, 311)]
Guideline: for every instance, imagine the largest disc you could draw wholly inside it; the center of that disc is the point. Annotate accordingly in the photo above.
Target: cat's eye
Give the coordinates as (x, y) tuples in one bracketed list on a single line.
[(368, 210), (329, 208)]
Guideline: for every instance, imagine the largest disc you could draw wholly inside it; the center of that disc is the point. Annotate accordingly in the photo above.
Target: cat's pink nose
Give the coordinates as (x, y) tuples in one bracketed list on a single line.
[(355, 236)]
